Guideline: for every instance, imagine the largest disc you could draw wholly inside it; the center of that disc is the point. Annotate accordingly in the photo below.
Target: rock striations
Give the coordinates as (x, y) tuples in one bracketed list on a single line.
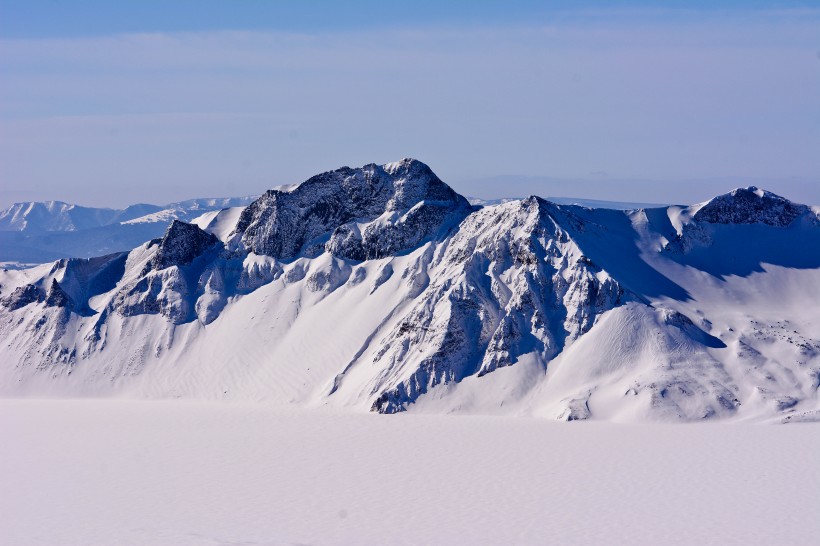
[(359, 214), (511, 283), (181, 244)]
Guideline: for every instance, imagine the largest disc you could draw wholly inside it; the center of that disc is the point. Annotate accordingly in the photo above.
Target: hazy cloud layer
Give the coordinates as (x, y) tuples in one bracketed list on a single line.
[(160, 117)]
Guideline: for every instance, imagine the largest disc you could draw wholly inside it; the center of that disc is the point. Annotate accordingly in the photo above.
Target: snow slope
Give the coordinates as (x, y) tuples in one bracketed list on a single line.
[(381, 289), (186, 473), (219, 222)]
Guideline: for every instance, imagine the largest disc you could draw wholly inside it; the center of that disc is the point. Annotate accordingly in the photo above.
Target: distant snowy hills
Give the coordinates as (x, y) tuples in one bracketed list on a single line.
[(380, 288), (38, 232), (581, 202)]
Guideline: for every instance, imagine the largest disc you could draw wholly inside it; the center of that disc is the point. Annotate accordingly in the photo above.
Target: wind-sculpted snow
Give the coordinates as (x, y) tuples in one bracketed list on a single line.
[(381, 289), (83, 279)]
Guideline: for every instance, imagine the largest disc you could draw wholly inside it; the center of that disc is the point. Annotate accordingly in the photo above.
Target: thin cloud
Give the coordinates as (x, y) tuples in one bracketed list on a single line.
[(195, 113)]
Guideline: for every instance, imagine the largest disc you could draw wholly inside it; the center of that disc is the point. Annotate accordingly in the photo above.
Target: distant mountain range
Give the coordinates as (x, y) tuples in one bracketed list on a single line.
[(37, 232), (380, 288), (581, 202)]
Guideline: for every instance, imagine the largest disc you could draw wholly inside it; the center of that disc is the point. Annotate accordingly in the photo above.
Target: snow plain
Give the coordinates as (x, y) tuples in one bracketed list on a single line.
[(206, 473)]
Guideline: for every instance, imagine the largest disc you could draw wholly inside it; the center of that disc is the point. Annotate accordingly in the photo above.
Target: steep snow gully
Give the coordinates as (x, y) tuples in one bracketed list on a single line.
[(380, 288)]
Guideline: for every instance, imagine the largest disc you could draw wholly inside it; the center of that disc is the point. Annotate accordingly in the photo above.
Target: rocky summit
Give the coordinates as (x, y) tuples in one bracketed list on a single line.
[(360, 214), (750, 206)]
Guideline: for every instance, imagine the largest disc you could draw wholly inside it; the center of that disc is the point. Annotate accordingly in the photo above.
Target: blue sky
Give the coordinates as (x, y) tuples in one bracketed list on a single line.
[(65, 18), (108, 103)]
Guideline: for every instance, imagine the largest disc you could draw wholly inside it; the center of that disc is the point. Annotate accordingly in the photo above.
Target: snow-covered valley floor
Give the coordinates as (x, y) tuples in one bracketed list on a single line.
[(178, 472)]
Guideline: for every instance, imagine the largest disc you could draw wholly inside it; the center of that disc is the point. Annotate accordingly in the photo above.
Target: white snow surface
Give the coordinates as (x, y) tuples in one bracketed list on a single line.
[(219, 222), (164, 216), (101, 472)]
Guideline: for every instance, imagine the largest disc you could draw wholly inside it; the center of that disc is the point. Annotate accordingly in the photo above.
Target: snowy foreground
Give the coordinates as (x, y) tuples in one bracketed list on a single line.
[(179, 472)]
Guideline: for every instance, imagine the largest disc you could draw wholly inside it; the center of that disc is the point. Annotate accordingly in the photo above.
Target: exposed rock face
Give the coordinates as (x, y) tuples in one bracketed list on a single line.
[(359, 214), (356, 214), (57, 297), (167, 283), (181, 244), (166, 292), (22, 296), (749, 209), (750, 206), (510, 282)]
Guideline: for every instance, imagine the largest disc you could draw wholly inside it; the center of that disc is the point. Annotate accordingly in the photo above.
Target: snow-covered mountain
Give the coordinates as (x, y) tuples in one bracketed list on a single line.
[(38, 217), (37, 232), (382, 289)]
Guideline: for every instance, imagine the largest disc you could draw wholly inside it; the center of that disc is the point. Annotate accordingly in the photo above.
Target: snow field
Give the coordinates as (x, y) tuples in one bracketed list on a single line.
[(193, 473)]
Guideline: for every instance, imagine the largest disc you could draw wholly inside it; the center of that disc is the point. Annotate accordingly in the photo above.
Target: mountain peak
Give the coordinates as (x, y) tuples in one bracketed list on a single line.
[(405, 166), (57, 297), (750, 205), (355, 213), (181, 244)]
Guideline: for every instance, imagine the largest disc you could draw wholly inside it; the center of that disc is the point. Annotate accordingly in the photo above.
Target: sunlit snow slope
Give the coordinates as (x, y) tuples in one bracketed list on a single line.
[(382, 289)]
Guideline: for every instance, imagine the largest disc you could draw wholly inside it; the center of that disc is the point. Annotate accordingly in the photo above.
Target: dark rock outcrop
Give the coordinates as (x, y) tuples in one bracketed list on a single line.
[(181, 244), (22, 296), (750, 206), (471, 322), (359, 214), (57, 297)]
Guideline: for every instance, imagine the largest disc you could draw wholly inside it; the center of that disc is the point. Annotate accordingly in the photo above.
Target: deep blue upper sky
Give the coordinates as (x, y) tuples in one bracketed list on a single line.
[(114, 102), (67, 18)]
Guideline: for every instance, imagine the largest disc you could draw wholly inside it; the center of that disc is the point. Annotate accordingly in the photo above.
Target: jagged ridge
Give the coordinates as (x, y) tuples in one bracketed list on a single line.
[(358, 214), (450, 295), (512, 283)]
